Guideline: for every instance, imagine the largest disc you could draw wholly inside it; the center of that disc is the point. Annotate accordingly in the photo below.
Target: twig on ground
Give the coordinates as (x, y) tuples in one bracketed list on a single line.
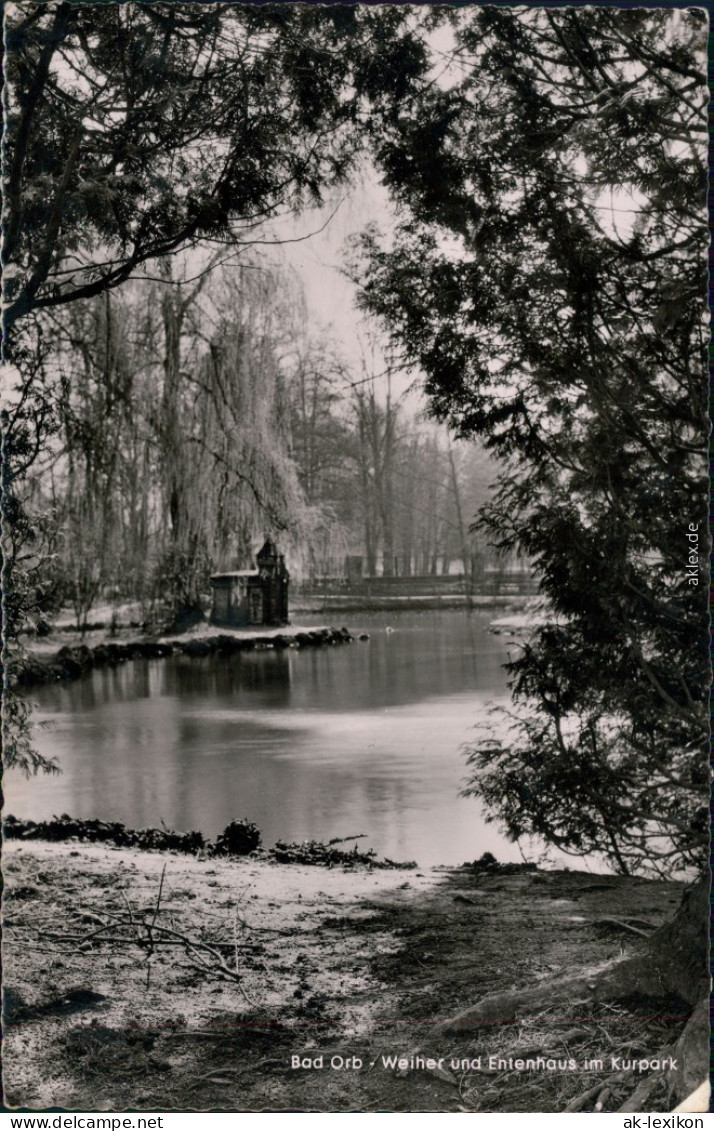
[(122, 893), (158, 898), (145, 930)]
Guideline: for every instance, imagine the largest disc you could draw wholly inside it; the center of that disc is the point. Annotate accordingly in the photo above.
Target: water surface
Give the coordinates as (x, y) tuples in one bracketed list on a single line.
[(317, 743)]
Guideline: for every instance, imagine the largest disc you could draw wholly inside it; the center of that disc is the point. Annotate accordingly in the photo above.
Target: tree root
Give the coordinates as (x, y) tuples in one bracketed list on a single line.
[(671, 963), (669, 966), (580, 1101), (622, 925), (641, 1094)]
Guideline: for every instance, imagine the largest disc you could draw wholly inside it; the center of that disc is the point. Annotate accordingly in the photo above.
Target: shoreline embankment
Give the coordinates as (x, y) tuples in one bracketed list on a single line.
[(74, 661)]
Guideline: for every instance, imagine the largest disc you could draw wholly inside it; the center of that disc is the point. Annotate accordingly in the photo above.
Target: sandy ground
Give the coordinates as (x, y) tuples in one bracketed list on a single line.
[(255, 964)]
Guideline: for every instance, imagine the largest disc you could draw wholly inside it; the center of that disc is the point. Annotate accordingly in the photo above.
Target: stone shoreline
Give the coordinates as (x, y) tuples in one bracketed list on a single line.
[(72, 662)]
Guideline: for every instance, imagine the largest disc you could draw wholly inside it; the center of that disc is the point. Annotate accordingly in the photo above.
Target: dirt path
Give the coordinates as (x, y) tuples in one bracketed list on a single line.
[(355, 967)]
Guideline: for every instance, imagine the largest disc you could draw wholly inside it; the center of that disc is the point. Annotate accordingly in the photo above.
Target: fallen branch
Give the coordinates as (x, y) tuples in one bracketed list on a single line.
[(123, 939), (145, 931), (622, 925)]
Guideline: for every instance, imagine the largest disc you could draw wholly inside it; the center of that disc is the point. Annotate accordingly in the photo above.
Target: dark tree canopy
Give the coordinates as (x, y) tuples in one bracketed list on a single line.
[(133, 130), (548, 276)]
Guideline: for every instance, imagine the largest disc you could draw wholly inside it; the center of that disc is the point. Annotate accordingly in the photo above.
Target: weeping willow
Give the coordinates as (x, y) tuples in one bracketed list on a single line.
[(245, 482), (176, 454)]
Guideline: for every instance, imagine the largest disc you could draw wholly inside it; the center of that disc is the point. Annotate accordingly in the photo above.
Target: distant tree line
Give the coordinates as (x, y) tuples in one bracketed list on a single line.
[(193, 418)]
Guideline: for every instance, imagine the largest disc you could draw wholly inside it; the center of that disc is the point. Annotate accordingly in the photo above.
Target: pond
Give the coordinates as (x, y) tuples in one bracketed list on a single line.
[(357, 739)]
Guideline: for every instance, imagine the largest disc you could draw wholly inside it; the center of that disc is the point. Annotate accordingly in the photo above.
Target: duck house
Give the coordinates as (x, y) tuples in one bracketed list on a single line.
[(253, 596)]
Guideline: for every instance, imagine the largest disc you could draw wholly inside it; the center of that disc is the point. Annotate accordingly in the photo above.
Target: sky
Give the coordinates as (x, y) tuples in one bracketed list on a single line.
[(319, 262)]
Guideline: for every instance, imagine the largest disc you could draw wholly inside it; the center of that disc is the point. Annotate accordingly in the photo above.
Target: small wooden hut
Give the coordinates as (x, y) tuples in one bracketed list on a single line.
[(253, 596)]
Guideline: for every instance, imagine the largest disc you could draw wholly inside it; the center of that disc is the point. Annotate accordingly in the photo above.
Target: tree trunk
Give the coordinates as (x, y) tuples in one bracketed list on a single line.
[(463, 536), (174, 477)]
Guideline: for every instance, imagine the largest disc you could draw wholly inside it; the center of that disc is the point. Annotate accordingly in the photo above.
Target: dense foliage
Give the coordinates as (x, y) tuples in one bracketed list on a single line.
[(548, 276), (136, 129)]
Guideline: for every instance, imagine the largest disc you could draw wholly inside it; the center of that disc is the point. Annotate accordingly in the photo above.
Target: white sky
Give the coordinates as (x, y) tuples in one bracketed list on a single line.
[(319, 264)]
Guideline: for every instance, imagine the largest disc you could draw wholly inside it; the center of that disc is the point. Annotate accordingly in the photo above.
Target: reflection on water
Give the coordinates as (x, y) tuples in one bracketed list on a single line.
[(360, 738)]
